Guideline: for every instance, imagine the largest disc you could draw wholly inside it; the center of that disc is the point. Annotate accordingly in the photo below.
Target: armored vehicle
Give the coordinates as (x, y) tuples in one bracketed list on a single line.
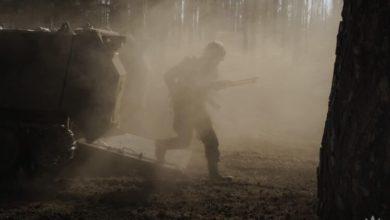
[(50, 83)]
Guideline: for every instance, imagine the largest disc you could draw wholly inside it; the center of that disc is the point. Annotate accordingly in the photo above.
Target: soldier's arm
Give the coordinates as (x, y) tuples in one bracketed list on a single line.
[(215, 85)]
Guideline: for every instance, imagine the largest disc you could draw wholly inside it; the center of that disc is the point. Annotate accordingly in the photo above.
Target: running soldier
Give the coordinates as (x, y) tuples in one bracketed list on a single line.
[(190, 84)]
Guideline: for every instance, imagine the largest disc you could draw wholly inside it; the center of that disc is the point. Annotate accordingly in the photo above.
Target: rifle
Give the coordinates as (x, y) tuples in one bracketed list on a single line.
[(223, 84)]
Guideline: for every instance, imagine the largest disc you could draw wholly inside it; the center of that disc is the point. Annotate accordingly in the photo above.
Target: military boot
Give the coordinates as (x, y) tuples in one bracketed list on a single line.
[(160, 151), (214, 172)]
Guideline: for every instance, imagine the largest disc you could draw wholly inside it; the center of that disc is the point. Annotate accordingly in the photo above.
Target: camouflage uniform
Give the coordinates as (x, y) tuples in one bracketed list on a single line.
[(187, 83), (190, 84)]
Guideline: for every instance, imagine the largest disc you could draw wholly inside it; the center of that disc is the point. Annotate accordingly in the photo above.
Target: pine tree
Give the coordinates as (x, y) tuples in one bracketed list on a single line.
[(354, 171)]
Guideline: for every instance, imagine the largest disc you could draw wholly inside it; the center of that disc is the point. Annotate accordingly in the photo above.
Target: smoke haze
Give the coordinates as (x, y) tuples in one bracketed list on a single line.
[(293, 60), (288, 44)]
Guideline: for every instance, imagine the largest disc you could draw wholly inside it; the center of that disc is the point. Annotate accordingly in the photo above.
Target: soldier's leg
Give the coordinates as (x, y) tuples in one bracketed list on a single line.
[(209, 139), (182, 140)]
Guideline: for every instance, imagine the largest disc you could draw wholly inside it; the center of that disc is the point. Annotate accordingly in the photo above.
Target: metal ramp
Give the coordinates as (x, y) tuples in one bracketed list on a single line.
[(138, 149)]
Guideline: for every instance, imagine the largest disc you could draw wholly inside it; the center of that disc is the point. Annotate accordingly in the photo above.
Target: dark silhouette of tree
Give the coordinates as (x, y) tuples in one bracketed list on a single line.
[(354, 171)]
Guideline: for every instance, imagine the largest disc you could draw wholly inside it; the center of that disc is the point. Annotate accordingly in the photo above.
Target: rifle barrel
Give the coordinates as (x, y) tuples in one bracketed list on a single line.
[(242, 82)]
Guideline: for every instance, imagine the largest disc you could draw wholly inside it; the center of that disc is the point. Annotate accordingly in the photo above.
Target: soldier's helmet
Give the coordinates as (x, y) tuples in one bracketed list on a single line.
[(215, 49)]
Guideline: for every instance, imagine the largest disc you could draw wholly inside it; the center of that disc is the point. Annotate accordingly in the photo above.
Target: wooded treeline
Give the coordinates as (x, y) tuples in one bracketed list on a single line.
[(179, 20)]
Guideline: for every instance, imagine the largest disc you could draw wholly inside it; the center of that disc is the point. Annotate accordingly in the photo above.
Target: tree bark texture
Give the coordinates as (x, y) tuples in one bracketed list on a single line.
[(354, 170)]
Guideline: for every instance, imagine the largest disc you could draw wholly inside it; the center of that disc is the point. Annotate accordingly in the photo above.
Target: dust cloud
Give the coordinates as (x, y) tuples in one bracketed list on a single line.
[(291, 53), (269, 131), (289, 45)]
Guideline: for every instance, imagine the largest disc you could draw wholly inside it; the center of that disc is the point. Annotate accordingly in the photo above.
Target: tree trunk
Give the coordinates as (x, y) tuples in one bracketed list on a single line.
[(354, 171)]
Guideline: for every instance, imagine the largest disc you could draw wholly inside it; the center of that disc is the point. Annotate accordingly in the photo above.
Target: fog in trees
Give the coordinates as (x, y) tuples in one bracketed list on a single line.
[(288, 44)]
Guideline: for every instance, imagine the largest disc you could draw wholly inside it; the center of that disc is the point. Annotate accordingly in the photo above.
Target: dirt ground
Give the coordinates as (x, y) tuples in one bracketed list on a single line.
[(270, 182)]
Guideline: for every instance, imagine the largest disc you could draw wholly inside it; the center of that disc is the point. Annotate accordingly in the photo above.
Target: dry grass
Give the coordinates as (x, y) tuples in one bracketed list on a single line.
[(270, 182)]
